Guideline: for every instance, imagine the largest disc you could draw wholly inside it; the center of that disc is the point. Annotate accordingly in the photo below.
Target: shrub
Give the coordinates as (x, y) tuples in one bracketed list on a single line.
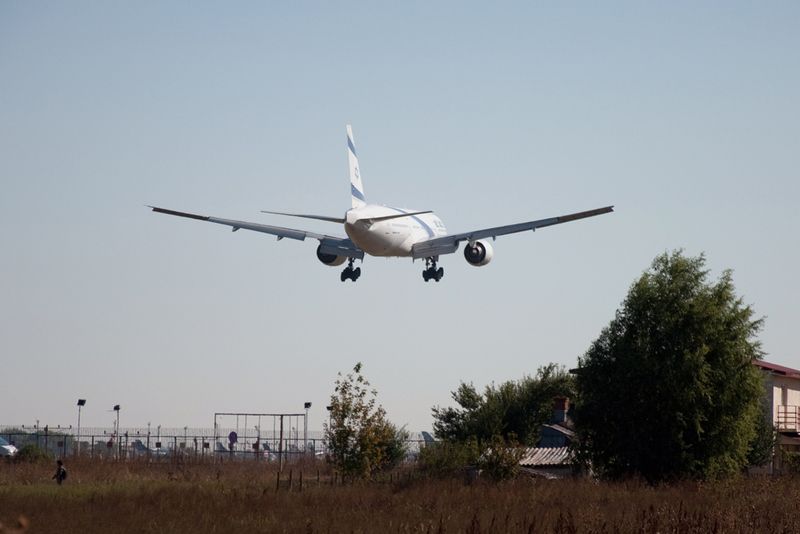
[(444, 458), (32, 453), (500, 461), (791, 461)]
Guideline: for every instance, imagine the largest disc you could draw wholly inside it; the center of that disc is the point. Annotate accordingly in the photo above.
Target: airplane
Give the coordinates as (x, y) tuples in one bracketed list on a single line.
[(385, 231), (138, 447)]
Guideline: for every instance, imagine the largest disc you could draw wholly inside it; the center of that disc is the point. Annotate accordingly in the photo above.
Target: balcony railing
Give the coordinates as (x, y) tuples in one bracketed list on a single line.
[(788, 418)]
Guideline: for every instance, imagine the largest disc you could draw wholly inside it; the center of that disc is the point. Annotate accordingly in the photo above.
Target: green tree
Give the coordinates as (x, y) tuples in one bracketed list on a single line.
[(360, 439), (513, 410), (762, 447), (668, 390)]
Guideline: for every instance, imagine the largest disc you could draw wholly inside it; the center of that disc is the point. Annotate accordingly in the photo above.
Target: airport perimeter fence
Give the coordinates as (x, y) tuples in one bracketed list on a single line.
[(178, 443)]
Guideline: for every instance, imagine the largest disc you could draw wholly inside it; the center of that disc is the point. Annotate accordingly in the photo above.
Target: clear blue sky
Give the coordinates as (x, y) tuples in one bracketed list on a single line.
[(685, 116)]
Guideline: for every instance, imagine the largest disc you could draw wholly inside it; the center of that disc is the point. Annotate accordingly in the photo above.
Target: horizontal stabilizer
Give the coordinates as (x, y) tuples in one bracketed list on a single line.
[(339, 220), (372, 220)]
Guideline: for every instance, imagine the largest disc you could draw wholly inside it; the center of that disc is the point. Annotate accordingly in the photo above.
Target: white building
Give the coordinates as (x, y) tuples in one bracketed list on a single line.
[(783, 397)]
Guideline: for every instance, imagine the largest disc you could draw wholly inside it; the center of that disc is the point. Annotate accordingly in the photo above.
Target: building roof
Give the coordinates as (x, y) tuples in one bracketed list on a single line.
[(777, 369), (540, 456), (561, 429)]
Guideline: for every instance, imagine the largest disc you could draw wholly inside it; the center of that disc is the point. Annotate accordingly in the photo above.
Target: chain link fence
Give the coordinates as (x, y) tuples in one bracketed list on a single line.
[(156, 443)]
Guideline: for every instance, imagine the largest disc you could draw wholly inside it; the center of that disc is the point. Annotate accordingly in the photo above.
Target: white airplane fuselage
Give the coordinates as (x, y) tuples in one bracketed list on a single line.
[(393, 237)]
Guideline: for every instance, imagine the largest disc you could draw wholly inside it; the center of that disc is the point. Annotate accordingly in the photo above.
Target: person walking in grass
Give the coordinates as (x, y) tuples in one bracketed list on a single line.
[(61, 472)]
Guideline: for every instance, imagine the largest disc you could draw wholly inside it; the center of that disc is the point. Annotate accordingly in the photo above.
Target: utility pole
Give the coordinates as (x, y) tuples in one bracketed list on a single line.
[(119, 442), (81, 403), (305, 428)]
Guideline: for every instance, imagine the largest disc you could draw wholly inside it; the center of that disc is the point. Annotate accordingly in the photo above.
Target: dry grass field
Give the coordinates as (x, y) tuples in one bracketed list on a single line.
[(243, 497)]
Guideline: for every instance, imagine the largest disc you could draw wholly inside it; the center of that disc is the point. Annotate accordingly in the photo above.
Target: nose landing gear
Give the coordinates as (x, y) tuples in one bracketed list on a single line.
[(431, 272), (349, 272)]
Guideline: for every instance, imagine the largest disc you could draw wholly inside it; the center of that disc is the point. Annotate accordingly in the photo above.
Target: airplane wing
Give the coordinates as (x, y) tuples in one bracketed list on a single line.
[(449, 244), (329, 244)]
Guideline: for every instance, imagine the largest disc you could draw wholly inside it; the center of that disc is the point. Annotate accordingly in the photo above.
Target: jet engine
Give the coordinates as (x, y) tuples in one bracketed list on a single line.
[(330, 259), (478, 253)]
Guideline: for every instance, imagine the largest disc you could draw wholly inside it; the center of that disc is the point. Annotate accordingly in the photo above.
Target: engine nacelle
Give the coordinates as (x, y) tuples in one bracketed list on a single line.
[(478, 253), (330, 259)]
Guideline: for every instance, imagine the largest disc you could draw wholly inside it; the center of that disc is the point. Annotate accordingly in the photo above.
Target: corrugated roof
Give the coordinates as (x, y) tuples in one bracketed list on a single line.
[(779, 369), (539, 456), (562, 429)]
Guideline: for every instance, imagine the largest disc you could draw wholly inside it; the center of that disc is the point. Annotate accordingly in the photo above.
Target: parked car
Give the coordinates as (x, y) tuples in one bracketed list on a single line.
[(7, 449)]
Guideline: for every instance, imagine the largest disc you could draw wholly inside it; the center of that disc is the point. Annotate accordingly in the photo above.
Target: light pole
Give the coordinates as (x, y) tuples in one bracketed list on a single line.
[(81, 404), (330, 430), (307, 406), (119, 443)]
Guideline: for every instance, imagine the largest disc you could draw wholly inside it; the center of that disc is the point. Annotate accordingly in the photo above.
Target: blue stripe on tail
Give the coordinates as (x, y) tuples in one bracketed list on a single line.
[(356, 193)]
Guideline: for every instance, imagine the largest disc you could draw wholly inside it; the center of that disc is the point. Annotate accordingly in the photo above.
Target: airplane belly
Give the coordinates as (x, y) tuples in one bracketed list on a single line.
[(380, 239)]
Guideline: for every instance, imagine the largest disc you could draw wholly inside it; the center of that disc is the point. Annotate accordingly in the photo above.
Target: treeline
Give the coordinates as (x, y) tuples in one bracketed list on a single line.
[(667, 391)]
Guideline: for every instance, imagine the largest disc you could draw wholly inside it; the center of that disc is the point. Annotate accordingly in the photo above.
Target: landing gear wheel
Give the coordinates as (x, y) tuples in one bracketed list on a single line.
[(349, 272), (431, 272)]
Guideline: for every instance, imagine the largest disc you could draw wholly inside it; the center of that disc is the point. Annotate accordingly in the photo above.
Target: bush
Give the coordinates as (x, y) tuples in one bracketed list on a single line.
[(444, 458), (395, 446), (791, 461), (31, 453), (500, 461)]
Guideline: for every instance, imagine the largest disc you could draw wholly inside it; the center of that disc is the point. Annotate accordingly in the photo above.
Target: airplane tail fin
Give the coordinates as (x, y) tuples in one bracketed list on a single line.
[(356, 187)]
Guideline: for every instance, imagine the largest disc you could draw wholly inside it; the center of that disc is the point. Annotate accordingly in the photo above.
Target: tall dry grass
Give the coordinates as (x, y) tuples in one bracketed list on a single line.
[(242, 497)]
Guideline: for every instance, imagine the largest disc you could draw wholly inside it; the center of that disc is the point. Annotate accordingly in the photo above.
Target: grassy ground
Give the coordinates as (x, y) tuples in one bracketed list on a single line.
[(242, 497)]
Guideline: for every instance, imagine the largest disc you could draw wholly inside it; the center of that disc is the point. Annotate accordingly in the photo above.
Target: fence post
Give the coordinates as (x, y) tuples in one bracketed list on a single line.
[(280, 448)]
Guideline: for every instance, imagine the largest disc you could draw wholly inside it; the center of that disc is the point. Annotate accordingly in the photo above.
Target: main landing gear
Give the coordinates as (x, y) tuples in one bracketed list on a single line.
[(349, 272), (431, 272)]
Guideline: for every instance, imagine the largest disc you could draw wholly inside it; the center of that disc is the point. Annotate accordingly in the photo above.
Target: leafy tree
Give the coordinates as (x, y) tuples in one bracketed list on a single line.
[(514, 409), (762, 447), (360, 439), (668, 390)]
